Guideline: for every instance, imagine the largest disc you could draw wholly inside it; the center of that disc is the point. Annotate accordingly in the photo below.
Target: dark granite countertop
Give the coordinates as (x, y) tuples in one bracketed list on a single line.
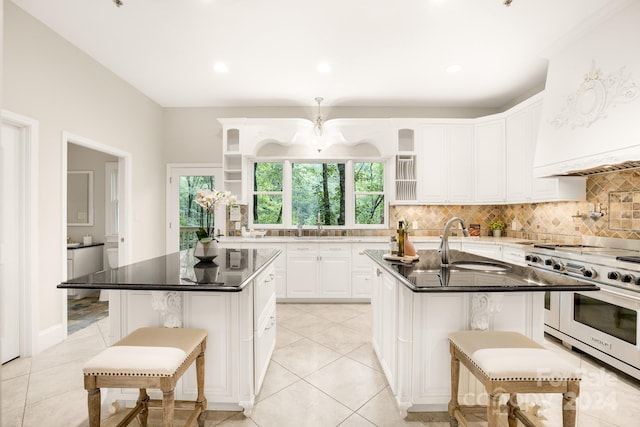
[(426, 275), (231, 271)]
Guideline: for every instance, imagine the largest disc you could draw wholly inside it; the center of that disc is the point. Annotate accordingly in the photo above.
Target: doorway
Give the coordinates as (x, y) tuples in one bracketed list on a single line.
[(18, 226), (182, 212), (111, 171)]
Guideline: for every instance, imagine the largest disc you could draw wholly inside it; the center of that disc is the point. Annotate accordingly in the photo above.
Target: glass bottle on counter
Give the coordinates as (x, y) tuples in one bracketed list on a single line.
[(401, 238), (393, 245)]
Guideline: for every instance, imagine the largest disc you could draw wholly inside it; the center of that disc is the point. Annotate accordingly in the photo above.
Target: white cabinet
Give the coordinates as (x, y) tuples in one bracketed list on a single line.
[(302, 271), (513, 254), (522, 126), (241, 330), (489, 155), (280, 263), (361, 273), (232, 160), (81, 261), (446, 155), (318, 270), (483, 249), (384, 322)]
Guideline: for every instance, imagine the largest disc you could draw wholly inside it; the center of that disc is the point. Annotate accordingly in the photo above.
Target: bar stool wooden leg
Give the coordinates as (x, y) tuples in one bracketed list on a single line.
[(569, 404), (168, 408), (493, 410), (512, 405), (93, 403), (455, 378), (143, 401)]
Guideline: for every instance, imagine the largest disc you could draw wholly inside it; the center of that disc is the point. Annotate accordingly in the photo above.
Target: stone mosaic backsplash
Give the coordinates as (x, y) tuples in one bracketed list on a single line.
[(617, 194)]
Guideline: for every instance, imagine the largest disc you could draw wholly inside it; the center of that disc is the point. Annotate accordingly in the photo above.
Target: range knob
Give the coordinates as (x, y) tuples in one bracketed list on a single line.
[(627, 278), (613, 275), (589, 273), (548, 261), (527, 257), (535, 258), (558, 266), (637, 281)]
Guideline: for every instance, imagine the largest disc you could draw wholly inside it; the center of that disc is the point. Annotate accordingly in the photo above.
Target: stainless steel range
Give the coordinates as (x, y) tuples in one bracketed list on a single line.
[(606, 323)]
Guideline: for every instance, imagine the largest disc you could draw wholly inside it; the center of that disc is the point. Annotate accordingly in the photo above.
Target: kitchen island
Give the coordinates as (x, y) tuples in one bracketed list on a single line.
[(233, 298), (416, 305)]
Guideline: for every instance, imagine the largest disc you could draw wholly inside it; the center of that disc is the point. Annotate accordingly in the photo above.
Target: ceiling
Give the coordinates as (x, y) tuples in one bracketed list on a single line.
[(381, 53)]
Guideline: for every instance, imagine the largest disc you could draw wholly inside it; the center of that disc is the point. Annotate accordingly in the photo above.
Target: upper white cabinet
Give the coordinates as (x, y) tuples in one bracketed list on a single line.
[(489, 155), (522, 126), (446, 155), (232, 160)]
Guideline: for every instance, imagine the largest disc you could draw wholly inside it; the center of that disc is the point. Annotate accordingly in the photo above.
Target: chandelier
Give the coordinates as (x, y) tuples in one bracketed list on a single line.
[(319, 140)]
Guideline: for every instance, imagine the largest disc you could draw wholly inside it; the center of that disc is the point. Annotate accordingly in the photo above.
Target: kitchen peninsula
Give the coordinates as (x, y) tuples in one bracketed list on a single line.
[(416, 305), (233, 298)]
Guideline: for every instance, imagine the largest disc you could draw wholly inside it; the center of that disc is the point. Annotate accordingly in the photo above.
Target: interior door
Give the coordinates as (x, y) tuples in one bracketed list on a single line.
[(183, 182), (10, 231)]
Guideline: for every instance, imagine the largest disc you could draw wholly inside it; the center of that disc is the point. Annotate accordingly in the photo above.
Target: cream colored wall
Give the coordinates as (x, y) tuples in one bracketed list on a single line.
[(81, 158), (48, 79)]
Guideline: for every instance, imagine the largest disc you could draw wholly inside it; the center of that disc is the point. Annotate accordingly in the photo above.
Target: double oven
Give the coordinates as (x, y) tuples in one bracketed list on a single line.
[(604, 323)]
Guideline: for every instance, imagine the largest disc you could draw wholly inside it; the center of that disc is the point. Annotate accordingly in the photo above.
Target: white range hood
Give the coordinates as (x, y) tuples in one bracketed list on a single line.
[(591, 111)]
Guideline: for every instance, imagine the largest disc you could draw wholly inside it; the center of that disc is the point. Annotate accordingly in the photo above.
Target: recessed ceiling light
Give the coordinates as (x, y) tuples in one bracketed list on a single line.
[(324, 68), (454, 68), (220, 67)]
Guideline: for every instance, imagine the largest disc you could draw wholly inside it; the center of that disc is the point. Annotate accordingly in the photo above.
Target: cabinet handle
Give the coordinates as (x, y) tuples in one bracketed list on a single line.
[(378, 272), (272, 323)]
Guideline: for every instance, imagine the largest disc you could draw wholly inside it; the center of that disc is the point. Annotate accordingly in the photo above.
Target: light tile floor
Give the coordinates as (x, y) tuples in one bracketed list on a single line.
[(323, 373)]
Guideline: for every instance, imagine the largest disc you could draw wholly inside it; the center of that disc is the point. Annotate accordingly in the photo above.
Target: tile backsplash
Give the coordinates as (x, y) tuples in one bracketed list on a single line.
[(562, 222)]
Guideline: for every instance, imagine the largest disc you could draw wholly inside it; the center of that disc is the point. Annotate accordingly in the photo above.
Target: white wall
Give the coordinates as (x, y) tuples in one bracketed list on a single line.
[(48, 79)]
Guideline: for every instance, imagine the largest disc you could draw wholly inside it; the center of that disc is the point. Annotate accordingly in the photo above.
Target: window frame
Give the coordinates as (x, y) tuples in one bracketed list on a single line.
[(287, 203)]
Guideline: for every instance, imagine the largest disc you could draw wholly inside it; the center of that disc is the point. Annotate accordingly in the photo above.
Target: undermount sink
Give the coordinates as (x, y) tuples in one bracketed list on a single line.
[(486, 266)]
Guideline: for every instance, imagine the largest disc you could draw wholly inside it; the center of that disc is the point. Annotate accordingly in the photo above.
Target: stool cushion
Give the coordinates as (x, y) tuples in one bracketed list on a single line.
[(136, 361), (156, 352), (510, 356)]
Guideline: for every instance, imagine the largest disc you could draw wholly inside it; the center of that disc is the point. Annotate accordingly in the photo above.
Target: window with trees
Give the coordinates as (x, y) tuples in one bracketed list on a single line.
[(337, 194)]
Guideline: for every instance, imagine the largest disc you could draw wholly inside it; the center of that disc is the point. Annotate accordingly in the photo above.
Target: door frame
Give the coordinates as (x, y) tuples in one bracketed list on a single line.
[(172, 244), (28, 293), (124, 198)]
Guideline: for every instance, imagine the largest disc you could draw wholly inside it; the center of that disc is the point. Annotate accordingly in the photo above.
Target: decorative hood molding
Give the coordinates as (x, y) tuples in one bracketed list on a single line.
[(591, 112)]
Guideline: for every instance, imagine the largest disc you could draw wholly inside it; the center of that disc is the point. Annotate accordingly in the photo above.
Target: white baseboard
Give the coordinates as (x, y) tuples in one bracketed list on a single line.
[(50, 337)]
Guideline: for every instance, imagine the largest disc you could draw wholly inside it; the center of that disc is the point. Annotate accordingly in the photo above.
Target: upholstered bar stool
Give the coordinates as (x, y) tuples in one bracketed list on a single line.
[(149, 358), (509, 362)]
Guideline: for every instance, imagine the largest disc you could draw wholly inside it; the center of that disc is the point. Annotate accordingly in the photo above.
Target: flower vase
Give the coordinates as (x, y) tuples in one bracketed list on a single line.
[(409, 248), (497, 233), (206, 251)]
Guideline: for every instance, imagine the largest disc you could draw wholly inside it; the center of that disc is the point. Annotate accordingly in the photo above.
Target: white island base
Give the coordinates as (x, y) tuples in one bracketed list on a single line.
[(410, 336), (241, 338)]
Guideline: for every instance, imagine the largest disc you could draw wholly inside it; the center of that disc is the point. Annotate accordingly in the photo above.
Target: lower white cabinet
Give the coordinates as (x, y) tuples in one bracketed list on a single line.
[(410, 336), (241, 338), (361, 273), (488, 250), (318, 270)]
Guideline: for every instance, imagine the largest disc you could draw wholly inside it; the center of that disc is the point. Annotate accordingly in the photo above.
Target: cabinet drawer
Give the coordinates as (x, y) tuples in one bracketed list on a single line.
[(265, 342), (264, 296), (513, 255)]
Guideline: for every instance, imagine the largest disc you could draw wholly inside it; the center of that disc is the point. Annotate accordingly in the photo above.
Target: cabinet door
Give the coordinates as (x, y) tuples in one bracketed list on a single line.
[(335, 271), (388, 328), (518, 155), (460, 164), (483, 249), (489, 154), (432, 154), (302, 271)]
